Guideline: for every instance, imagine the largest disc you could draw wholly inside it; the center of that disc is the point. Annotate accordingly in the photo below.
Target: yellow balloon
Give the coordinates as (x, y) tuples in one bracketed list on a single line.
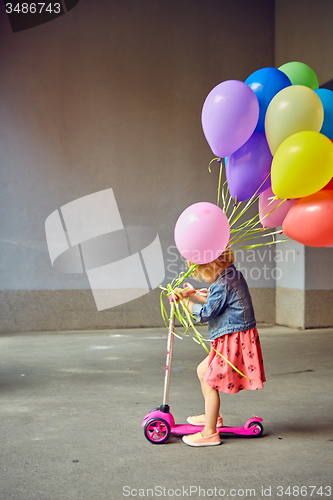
[(293, 109), (302, 165)]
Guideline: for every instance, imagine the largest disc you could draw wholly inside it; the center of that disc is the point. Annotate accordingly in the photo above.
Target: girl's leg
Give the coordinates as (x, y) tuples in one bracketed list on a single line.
[(201, 372), (212, 409), (208, 436), (212, 400)]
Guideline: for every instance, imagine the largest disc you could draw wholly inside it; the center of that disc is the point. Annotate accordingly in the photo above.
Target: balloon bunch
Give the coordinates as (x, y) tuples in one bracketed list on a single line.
[(276, 130), (272, 134)]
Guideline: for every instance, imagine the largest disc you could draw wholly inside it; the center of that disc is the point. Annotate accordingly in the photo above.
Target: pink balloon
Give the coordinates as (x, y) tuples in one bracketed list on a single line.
[(229, 116), (202, 232), (280, 210)]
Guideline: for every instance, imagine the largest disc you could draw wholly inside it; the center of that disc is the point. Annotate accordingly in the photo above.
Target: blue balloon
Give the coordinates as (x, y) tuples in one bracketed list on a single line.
[(266, 83), (326, 97), (248, 168)]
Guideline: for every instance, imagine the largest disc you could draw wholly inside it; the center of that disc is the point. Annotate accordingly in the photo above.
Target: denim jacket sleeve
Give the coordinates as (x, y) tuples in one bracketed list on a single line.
[(215, 305)]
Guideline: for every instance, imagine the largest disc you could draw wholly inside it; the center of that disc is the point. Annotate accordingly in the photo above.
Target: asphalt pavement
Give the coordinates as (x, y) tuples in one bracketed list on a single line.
[(72, 405)]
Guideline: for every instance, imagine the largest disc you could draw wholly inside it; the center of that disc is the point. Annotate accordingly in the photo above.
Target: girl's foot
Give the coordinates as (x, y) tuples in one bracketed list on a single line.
[(198, 440), (200, 420)]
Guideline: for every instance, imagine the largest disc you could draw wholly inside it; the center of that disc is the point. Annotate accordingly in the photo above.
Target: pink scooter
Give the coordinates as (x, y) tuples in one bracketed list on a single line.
[(159, 423)]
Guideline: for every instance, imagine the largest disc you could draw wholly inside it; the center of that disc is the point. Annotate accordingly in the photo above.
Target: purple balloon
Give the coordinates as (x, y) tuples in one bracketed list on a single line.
[(248, 168), (229, 116)]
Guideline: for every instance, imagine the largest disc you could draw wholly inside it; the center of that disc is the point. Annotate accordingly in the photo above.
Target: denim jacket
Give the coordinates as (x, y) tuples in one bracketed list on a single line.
[(229, 306)]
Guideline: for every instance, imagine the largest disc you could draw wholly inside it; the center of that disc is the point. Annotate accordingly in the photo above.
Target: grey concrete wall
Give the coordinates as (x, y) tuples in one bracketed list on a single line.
[(110, 96), (303, 32), (304, 292), (304, 296)]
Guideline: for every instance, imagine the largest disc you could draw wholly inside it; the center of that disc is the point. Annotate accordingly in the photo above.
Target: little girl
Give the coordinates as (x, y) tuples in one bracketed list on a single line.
[(232, 332)]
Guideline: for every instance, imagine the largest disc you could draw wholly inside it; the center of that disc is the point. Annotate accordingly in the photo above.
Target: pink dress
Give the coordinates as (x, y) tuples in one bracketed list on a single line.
[(243, 350)]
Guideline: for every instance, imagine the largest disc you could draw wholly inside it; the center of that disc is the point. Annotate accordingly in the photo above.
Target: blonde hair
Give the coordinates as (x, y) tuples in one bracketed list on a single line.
[(214, 268)]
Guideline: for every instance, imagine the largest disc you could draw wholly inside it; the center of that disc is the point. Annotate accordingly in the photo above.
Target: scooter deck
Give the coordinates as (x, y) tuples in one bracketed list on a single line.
[(159, 425)]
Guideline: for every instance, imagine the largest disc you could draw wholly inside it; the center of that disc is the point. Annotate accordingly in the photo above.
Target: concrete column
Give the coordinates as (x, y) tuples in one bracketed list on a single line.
[(304, 286), (318, 310)]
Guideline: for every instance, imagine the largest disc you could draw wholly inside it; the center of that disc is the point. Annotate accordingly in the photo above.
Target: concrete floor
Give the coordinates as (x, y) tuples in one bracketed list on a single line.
[(72, 405)]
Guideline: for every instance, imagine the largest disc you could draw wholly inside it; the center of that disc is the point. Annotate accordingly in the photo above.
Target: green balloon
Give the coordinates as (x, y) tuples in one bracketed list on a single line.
[(300, 74)]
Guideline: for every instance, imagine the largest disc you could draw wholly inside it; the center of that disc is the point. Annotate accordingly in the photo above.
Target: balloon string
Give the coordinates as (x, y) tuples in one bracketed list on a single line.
[(233, 366), (219, 186), (240, 234), (247, 230)]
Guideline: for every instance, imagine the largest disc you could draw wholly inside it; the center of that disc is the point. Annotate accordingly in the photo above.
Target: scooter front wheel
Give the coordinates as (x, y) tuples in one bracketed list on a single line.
[(157, 430)]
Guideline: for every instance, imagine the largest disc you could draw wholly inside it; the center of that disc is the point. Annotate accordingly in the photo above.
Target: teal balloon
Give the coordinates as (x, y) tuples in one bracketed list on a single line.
[(326, 97)]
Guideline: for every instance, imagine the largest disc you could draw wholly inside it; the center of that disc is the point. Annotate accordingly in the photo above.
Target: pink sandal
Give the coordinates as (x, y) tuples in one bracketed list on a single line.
[(200, 420), (199, 440)]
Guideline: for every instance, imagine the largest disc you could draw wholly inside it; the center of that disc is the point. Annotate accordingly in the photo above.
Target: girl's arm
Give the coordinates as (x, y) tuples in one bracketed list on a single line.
[(215, 305), (201, 295), (190, 292), (188, 304)]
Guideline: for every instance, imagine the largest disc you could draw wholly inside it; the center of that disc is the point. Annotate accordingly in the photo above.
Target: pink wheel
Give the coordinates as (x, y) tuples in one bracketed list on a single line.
[(157, 430)]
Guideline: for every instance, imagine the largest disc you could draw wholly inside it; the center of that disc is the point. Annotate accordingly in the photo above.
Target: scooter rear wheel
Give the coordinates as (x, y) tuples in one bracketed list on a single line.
[(259, 428), (157, 430)]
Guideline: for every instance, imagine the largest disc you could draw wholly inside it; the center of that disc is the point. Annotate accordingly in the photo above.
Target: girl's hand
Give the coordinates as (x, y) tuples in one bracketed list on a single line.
[(203, 292), (180, 293), (188, 290), (200, 295), (177, 294)]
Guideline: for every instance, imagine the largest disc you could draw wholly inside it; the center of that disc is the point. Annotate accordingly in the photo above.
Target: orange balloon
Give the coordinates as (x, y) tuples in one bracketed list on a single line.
[(310, 220)]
